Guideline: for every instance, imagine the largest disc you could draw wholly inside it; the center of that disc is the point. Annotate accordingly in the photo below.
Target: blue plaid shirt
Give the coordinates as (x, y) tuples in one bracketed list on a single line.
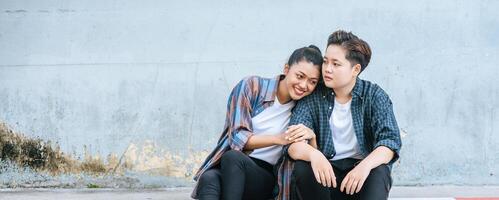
[(373, 122)]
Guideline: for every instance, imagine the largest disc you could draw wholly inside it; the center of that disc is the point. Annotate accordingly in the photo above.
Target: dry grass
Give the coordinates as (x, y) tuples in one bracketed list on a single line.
[(41, 155)]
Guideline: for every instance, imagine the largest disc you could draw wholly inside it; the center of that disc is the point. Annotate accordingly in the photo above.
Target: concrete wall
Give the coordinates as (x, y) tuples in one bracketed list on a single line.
[(147, 81)]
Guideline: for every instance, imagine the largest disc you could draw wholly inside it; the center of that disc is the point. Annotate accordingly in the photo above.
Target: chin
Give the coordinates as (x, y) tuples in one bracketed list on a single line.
[(329, 84), (296, 97)]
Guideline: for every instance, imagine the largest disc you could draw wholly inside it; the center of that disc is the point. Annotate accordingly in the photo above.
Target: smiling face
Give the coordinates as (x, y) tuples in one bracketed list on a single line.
[(301, 79), (337, 71)]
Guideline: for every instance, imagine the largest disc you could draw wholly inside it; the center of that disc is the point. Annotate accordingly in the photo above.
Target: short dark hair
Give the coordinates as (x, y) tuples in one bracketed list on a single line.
[(311, 54), (357, 50)]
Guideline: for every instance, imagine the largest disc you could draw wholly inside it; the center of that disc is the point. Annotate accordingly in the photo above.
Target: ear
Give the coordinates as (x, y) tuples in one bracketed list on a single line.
[(286, 69), (356, 69)]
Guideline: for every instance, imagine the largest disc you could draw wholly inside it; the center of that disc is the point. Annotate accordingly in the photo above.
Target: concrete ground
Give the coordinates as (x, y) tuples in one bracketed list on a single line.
[(397, 193)]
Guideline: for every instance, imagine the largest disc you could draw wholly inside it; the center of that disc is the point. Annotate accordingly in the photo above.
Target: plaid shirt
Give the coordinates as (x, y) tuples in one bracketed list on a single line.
[(248, 98), (373, 122)]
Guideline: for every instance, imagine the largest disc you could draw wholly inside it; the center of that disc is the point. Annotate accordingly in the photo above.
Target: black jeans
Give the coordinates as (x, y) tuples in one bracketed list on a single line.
[(237, 177), (376, 187)]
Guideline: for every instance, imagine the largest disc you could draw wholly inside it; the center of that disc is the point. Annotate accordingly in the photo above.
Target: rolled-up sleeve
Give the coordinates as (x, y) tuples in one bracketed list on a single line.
[(239, 108), (386, 131), (301, 114)]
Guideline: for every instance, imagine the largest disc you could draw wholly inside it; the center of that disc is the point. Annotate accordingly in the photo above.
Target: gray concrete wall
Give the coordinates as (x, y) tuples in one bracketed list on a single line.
[(146, 82)]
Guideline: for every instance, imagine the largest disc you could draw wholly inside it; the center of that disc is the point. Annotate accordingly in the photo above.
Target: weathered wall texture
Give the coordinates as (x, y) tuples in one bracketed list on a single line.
[(133, 93)]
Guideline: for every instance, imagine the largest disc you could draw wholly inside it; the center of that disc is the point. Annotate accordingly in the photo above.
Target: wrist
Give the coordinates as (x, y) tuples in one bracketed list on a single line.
[(364, 164), (278, 140), (275, 140), (313, 154)]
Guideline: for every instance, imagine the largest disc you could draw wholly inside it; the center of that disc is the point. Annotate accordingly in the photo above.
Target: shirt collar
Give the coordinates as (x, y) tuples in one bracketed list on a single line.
[(275, 84), (357, 89)]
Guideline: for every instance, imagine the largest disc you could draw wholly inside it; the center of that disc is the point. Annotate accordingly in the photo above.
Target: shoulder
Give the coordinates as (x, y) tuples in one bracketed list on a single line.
[(314, 98), (247, 83), (255, 82), (374, 93), (254, 86)]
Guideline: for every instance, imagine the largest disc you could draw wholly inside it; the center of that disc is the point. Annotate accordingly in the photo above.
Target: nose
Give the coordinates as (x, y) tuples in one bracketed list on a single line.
[(303, 85), (328, 68)]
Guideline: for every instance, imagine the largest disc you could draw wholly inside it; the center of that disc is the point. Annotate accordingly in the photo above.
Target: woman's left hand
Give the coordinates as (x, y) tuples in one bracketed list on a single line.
[(300, 132)]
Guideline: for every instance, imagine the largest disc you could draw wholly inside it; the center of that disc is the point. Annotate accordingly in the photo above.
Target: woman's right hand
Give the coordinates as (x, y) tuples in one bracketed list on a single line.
[(322, 169), (281, 139), (300, 132)]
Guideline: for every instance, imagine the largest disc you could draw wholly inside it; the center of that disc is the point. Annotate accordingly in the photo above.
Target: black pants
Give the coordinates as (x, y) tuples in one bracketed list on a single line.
[(376, 187), (237, 177)]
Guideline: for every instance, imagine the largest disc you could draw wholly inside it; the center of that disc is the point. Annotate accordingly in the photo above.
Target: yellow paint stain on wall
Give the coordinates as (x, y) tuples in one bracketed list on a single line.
[(149, 157)]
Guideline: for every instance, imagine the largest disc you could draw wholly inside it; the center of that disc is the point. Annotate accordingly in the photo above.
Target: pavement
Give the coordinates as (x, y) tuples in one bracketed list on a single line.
[(397, 193)]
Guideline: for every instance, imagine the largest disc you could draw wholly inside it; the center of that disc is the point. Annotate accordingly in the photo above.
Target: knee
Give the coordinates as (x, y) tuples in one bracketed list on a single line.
[(232, 157), (381, 175), (303, 170), (209, 185), (377, 184), (380, 171), (211, 176), (302, 167)]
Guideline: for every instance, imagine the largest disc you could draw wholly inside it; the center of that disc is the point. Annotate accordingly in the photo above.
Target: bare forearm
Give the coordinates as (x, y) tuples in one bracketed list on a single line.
[(301, 151), (380, 155), (260, 141)]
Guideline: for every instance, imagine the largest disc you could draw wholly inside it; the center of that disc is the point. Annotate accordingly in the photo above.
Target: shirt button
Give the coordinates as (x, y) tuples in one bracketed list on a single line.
[(323, 96), (330, 107)]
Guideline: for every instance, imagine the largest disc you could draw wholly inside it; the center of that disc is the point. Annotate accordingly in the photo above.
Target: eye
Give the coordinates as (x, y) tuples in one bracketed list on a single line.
[(299, 76), (313, 82)]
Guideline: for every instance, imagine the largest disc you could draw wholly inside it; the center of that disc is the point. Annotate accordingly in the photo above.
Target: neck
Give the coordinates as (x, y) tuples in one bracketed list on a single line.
[(344, 94), (283, 93)]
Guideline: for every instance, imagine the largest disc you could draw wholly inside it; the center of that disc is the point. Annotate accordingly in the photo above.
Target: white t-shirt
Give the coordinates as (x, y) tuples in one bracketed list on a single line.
[(344, 138), (271, 121)]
